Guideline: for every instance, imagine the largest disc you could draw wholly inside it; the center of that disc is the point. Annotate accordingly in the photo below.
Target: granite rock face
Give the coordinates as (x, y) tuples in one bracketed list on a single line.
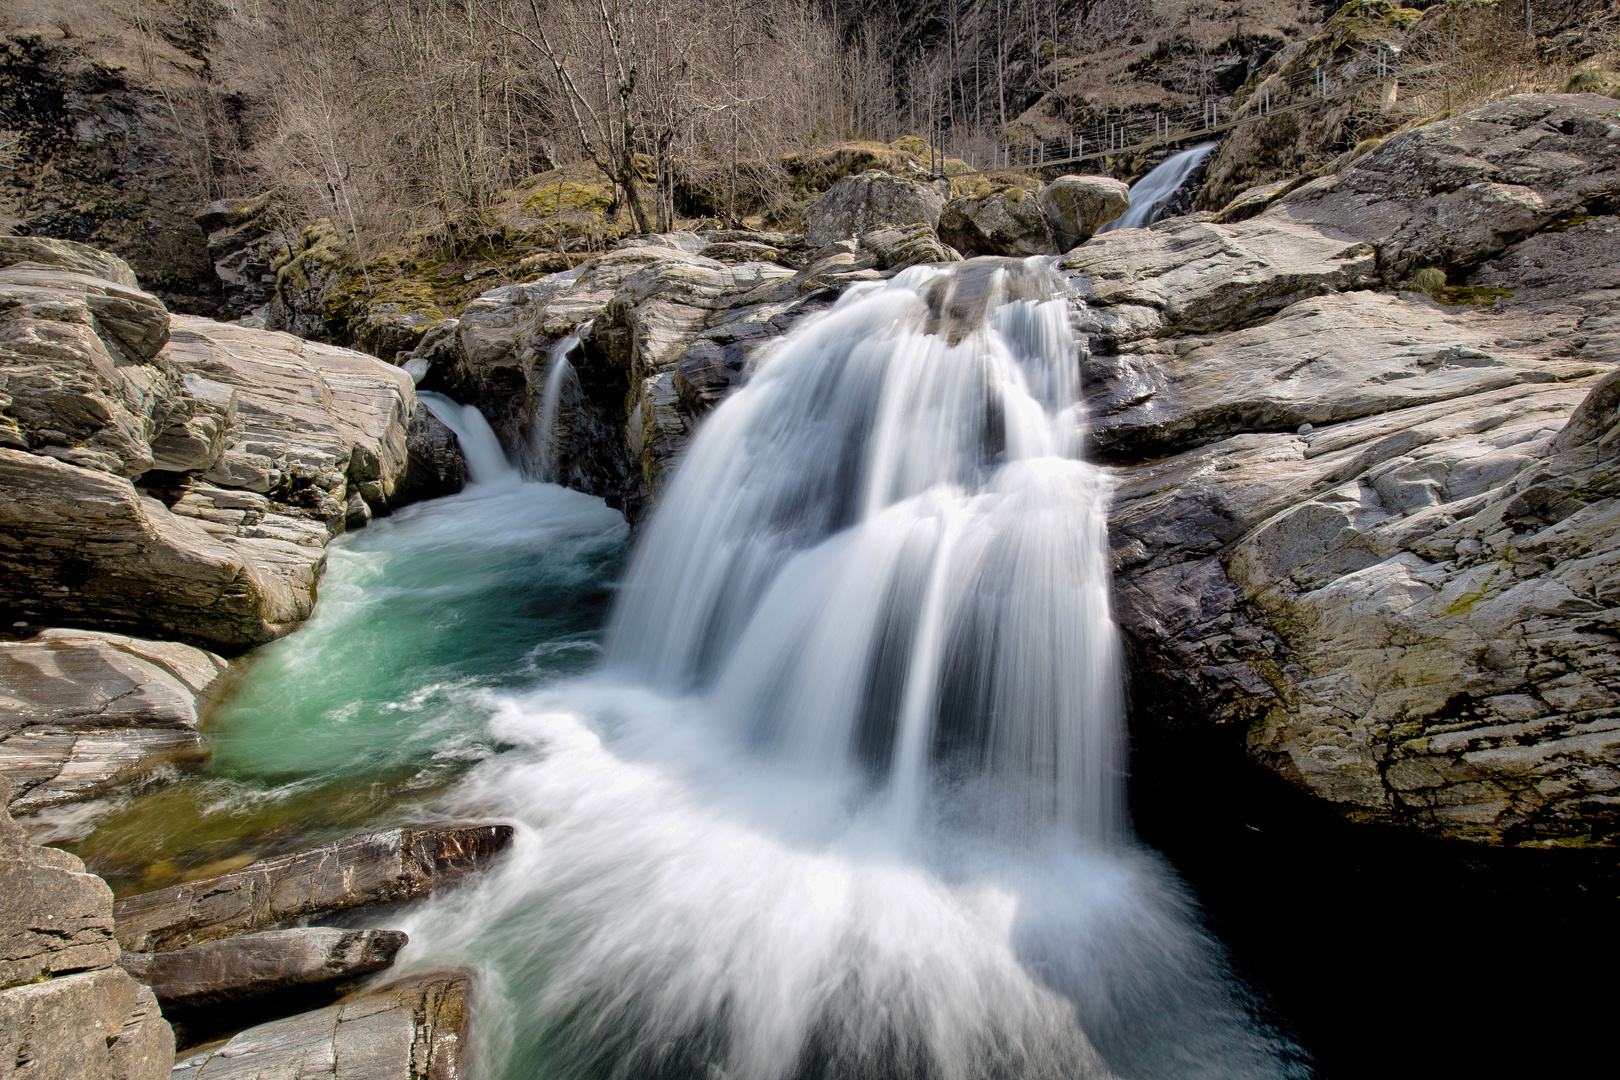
[(1456, 192), (245, 241), (83, 712), (415, 1029), (170, 475), (375, 868), (1364, 533), (65, 1009)]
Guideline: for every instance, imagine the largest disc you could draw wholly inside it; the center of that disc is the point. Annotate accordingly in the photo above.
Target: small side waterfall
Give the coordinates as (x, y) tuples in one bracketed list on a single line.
[(1151, 195), (885, 552), (480, 449), (559, 377)]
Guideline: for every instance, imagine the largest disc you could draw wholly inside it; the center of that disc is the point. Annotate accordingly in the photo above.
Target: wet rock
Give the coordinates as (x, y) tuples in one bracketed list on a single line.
[(374, 868), (867, 200), (416, 1029), (1007, 221), (435, 466), (1454, 193), (1077, 206), (216, 985), (65, 1010), (82, 712)]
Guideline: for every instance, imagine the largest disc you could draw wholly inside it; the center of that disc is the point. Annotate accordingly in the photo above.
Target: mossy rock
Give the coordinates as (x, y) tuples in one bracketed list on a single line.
[(569, 198)]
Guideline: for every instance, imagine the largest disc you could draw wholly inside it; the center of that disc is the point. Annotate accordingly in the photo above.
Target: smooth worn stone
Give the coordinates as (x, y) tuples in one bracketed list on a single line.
[(65, 1009), (1456, 192), (899, 246), (374, 868), (67, 255), (84, 711), (415, 1029), (868, 200), (1077, 206), (1007, 221), (215, 986)]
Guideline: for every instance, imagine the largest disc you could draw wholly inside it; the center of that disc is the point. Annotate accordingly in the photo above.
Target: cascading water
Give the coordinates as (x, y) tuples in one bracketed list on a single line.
[(480, 447), (1151, 195), (845, 797), (559, 377)]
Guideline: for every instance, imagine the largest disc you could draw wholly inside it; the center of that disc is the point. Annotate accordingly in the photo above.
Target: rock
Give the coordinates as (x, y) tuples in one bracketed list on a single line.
[(1250, 202), (1190, 276), (212, 987), (246, 243), (1319, 361), (1077, 206), (374, 868), (739, 251), (899, 246), (416, 1029), (65, 1010), (864, 201), (83, 711), (67, 255), (1454, 193), (435, 467), (1005, 221)]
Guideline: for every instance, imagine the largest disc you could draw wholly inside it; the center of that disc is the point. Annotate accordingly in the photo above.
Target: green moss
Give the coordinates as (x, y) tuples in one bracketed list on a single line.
[(1471, 294), (1567, 222), (569, 198)]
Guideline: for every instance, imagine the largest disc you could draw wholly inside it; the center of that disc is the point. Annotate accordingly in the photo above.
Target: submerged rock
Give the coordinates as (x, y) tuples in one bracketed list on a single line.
[(374, 868), (416, 1029), (82, 712), (65, 1009)]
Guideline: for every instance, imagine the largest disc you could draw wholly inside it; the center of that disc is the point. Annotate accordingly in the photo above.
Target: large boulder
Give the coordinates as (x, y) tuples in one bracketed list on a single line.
[(867, 200), (1004, 221), (82, 712), (1077, 206), (65, 1009), (251, 451), (1454, 193)]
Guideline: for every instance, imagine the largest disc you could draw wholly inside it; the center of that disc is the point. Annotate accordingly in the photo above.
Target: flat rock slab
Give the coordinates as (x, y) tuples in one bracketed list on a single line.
[(415, 1029), (375, 868), (83, 711)]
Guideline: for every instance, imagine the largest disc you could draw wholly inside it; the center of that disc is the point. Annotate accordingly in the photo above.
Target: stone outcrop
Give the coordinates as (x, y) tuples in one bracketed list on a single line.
[(246, 243), (867, 200), (215, 986), (1077, 206), (415, 1029), (170, 475), (1365, 533), (1004, 221), (82, 712), (1454, 193), (361, 871), (65, 1009)]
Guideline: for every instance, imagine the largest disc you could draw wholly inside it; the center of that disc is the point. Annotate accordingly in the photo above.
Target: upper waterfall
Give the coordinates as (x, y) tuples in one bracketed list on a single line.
[(884, 553), (1151, 195)]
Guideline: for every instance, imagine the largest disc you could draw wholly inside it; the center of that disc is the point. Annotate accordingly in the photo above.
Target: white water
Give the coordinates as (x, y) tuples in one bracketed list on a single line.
[(480, 448), (1152, 194), (845, 799), (559, 376)]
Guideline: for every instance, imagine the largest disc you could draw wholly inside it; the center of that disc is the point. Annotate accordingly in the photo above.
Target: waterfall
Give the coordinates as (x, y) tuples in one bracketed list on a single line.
[(559, 374), (480, 449), (844, 798), (1151, 195), (885, 551)]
